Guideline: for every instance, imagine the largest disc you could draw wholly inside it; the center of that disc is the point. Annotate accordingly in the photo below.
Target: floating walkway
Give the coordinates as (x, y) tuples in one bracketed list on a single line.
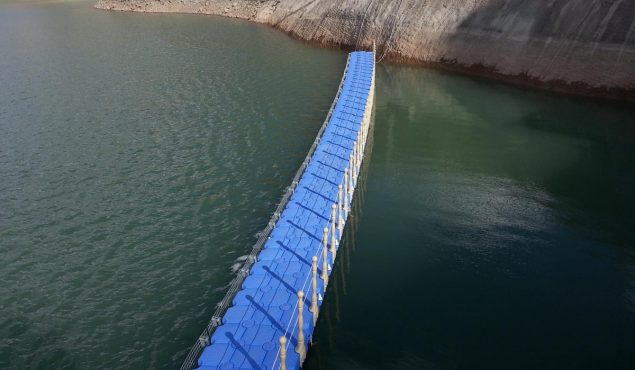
[(267, 319)]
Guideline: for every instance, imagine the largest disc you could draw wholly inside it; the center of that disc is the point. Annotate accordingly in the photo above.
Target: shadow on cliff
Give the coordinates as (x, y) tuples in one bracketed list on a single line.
[(572, 46), (293, 12)]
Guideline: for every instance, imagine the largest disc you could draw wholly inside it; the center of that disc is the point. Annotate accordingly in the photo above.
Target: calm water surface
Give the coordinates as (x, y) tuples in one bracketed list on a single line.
[(140, 155), (495, 229)]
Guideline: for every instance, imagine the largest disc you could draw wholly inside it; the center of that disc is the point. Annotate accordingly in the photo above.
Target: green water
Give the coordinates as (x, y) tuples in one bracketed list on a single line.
[(140, 155), (495, 229)]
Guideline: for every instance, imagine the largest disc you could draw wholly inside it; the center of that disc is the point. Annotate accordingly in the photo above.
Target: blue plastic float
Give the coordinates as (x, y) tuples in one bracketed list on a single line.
[(264, 309)]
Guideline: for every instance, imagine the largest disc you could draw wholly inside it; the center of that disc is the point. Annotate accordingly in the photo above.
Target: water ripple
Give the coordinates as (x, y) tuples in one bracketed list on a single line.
[(136, 172)]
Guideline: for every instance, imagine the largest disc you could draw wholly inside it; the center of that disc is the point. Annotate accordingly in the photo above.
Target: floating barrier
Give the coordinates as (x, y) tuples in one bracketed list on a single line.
[(267, 318)]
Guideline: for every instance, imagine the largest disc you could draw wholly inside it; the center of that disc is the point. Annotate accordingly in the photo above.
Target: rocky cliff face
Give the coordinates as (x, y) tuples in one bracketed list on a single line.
[(578, 46)]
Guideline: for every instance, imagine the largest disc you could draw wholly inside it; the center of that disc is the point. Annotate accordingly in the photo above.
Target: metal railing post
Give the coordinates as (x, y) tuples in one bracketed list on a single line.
[(333, 238), (301, 348), (340, 220), (325, 257), (314, 297), (283, 353)]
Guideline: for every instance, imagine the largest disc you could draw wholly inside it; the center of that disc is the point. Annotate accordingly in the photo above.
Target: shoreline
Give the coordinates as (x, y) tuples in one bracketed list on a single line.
[(471, 53)]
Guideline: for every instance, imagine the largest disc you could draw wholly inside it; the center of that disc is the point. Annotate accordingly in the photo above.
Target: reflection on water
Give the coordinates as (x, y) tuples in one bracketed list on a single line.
[(497, 232)]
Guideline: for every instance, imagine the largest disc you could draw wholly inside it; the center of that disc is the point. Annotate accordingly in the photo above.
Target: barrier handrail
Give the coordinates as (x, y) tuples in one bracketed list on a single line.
[(354, 164)]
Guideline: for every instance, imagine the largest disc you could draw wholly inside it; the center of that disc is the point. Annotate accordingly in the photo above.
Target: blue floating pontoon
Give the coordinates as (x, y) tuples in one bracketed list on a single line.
[(264, 308)]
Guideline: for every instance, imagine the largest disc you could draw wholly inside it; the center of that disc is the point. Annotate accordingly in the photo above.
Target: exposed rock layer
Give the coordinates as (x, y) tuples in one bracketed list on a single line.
[(577, 46)]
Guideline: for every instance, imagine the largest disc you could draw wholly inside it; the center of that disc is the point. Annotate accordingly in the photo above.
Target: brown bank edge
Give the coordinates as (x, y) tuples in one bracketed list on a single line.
[(576, 89)]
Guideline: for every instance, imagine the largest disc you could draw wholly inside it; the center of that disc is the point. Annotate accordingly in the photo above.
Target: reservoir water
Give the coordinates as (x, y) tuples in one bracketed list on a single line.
[(140, 155)]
